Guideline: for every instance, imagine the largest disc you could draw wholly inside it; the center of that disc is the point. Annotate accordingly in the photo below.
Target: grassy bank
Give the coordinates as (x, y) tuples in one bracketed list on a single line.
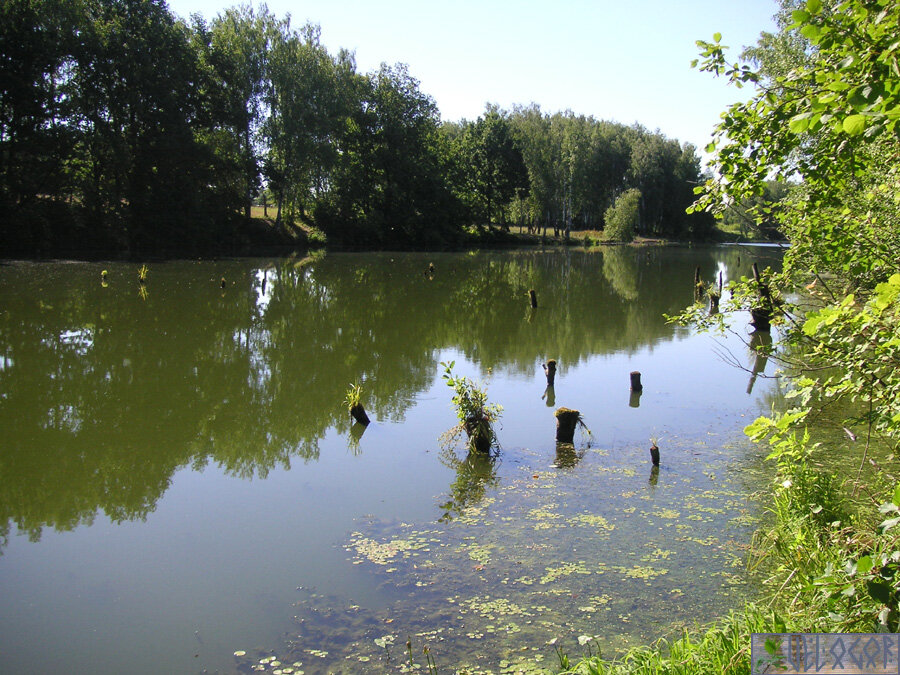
[(830, 557)]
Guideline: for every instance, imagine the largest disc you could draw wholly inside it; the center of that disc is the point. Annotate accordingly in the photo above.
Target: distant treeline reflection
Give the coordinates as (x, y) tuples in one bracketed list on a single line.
[(105, 392)]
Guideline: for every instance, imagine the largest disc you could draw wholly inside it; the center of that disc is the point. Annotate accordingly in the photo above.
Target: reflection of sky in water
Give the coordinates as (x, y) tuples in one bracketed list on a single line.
[(79, 340), (263, 289)]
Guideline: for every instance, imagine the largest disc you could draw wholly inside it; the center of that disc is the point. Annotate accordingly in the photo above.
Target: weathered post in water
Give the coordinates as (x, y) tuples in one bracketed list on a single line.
[(761, 315), (636, 381), (550, 372), (358, 413), (714, 302), (533, 296), (566, 421), (354, 404), (654, 453)]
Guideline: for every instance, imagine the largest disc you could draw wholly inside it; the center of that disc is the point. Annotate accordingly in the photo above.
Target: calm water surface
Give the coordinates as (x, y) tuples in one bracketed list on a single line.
[(179, 479)]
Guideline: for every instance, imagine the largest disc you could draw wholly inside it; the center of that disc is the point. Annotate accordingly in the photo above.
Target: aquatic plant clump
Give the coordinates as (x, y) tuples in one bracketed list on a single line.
[(476, 416)]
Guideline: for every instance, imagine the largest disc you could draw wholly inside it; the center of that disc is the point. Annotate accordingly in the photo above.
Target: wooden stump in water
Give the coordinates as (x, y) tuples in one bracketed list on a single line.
[(481, 436), (698, 286), (566, 421), (358, 413), (762, 314), (654, 454), (761, 318), (533, 295), (636, 381), (550, 372)]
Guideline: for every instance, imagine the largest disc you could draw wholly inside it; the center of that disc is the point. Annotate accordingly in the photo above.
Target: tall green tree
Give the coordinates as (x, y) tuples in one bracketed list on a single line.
[(494, 164), (36, 58), (241, 45), (137, 112)]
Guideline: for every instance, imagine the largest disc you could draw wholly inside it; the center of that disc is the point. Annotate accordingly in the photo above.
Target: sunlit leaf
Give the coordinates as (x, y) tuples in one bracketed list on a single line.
[(854, 124)]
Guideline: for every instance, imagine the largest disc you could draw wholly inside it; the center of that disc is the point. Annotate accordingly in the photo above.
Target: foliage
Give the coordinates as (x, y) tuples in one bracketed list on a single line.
[(753, 217), (110, 109), (826, 111), (825, 118), (476, 416), (721, 648), (354, 396), (837, 564), (623, 217)]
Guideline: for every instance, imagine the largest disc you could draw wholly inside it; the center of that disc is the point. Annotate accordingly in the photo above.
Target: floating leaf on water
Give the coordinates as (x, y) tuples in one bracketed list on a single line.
[(240, 652)]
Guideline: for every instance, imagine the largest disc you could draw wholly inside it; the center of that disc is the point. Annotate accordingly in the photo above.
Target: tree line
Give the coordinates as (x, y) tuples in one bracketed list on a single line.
[(124, 127)]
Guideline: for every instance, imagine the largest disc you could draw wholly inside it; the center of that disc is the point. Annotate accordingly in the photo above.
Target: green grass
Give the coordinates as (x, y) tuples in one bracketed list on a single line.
[(722, 648)]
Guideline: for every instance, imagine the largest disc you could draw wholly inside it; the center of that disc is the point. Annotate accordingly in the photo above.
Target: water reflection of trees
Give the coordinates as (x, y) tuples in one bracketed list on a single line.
[(104, 395), (475, 473)]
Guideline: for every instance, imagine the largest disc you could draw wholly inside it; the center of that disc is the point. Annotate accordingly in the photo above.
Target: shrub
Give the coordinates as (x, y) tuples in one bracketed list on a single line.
[(623, 216)]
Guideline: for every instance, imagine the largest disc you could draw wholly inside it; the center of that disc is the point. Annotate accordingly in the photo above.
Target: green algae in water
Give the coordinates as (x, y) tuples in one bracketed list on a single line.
[(564, 570), (592, 520), (535, 560)]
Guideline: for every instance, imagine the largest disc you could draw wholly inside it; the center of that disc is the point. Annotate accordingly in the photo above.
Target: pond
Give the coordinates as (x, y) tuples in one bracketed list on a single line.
[(181, 489)]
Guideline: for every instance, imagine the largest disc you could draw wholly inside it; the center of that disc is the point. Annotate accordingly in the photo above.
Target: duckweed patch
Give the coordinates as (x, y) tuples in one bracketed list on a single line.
[(541, 558)]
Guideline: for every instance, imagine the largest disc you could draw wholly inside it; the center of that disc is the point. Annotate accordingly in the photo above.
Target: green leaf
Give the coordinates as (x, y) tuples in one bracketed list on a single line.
[(717, 37), (811, 32), (854, 125), (778, 624), (814, 6), (879, 590), (799, 124), (864, 565), (800, 16), (896, 498)]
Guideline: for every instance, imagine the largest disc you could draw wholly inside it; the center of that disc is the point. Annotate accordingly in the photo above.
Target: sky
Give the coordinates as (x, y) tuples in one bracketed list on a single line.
[(619, 60)]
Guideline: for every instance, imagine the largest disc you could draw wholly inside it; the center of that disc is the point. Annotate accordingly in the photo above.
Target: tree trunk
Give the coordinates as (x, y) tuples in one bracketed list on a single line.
[(359, 414), (566, 421)]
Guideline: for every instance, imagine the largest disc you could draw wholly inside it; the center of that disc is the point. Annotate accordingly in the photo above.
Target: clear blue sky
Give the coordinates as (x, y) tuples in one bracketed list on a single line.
[(613, 59)]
